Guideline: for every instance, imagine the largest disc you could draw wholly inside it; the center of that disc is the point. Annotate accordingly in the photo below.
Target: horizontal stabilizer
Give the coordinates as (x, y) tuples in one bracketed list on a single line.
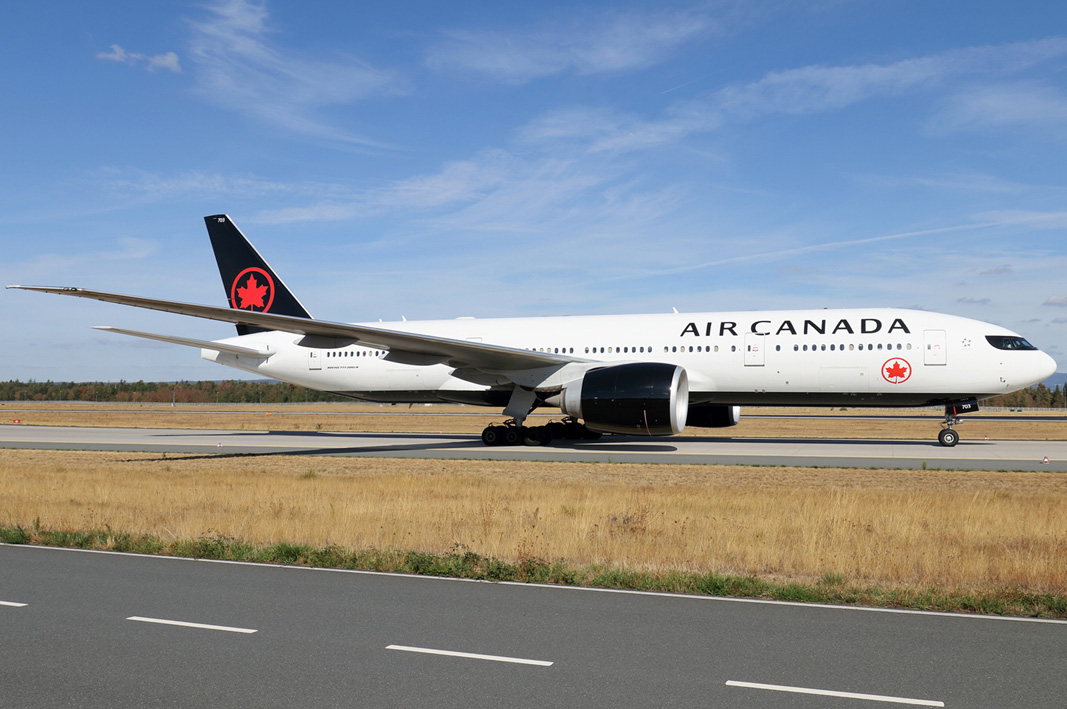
[(263, 352), (454, 353)]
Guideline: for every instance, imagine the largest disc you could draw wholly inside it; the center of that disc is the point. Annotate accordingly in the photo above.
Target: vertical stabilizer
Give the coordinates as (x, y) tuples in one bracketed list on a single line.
[(250, 283)]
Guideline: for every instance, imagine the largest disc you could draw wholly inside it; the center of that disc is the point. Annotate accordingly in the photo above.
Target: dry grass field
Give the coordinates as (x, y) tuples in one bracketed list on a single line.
[(922, 529), (993, 534), (467, 419)]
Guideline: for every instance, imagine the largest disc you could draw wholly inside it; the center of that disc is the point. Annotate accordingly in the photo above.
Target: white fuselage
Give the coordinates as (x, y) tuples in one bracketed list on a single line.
[(873, 357)]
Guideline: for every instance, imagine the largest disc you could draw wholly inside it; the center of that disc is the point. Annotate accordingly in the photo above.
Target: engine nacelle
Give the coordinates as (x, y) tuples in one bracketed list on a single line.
[(713, 415), (643, 398)]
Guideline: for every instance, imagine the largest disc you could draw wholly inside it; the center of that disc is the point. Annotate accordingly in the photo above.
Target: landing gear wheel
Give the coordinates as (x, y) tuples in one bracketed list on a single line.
[(493, 435), (948, 437), (513, 435), (537, 436)]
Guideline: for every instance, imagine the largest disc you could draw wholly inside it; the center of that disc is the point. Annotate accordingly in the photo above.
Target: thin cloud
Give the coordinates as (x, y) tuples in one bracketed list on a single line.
[(973, 301), (818, 88), (1003, 105), (1059, 301), (765, 256), (168, 60), (238, 68), (998, 271), (815, 89), (617, 42)]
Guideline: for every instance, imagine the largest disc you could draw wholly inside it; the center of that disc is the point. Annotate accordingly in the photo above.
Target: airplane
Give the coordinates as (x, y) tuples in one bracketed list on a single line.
[(642, 375)]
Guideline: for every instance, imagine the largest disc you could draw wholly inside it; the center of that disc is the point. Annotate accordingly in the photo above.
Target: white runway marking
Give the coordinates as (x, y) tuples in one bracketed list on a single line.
[(470, 655), (183, 624), (12, 604), (830, 693)]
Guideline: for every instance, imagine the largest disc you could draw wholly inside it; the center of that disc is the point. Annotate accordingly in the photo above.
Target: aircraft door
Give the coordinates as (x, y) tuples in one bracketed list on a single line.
[(935, 352), (314, 361), (754, 344)]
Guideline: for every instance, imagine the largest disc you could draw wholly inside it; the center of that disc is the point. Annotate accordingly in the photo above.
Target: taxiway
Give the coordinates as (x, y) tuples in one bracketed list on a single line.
[(850, 453)]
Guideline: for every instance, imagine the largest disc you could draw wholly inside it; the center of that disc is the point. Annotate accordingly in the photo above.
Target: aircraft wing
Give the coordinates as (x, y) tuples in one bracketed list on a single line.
[(428, 349)]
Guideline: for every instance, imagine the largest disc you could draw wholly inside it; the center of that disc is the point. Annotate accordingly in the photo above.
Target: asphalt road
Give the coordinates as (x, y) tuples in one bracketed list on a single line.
[(912, 454), (91, 629)]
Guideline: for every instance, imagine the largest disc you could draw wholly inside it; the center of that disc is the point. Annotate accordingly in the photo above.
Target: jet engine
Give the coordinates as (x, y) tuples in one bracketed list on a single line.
[(643, 398), (713, 415)]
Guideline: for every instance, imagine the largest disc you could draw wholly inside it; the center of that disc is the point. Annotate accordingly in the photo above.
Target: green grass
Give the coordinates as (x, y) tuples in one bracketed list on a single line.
[(463, 563)]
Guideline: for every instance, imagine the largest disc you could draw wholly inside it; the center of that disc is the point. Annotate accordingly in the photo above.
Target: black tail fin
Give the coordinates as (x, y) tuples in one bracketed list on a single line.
[(249, 282)]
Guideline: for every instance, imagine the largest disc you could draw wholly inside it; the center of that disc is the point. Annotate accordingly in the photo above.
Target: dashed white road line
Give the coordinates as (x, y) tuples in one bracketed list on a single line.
[(831, 693), (470, 655), (183, 624), (12, 604)]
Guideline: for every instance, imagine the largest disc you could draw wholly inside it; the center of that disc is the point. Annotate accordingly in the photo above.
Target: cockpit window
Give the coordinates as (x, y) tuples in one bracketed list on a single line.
[(1005, 342)]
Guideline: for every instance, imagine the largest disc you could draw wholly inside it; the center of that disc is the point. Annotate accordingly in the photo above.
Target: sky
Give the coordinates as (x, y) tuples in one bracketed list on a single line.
[(435, 160)]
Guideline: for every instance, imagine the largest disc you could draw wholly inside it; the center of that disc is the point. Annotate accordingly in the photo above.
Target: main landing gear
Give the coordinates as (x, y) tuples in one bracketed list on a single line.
[(948, 436), (510, 433)]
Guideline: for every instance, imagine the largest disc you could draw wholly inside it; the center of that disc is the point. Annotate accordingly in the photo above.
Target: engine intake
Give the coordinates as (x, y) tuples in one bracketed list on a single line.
[(644, 398)]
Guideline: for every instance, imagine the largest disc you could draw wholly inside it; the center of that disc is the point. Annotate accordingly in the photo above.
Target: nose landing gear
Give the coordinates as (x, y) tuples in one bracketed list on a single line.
[(948, 436)]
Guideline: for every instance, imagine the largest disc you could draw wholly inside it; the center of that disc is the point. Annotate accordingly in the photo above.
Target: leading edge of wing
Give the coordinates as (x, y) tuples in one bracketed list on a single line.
[(455, 353)]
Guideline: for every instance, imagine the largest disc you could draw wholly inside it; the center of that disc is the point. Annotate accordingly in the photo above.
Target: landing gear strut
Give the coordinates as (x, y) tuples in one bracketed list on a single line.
[(511, 433), (948, 436)]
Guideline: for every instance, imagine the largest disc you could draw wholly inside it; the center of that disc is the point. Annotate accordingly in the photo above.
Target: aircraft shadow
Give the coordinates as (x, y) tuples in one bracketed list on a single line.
[(451, 442)]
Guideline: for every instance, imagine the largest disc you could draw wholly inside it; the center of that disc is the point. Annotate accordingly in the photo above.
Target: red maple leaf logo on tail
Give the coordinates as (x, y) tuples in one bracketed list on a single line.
[(251, 294), (256, 292)]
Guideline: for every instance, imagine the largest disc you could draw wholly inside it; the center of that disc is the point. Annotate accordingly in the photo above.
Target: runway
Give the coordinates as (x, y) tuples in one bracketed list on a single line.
[(99, 629), (850, 453)]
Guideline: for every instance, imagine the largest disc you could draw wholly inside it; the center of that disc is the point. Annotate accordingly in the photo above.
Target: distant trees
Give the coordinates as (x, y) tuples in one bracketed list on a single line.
[(1039, 397), (270, 392), (223, 392)]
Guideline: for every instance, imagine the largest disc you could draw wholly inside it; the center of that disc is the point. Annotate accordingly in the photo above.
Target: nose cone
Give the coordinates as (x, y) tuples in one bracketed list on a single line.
[(1046, 367)]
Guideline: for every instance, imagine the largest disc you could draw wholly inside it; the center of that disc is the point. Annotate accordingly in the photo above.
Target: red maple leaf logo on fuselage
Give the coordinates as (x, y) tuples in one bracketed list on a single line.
[(896, 371)]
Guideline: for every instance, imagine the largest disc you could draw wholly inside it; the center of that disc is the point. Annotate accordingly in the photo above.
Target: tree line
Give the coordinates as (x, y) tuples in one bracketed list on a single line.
[(270, 392), (207, 392)]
